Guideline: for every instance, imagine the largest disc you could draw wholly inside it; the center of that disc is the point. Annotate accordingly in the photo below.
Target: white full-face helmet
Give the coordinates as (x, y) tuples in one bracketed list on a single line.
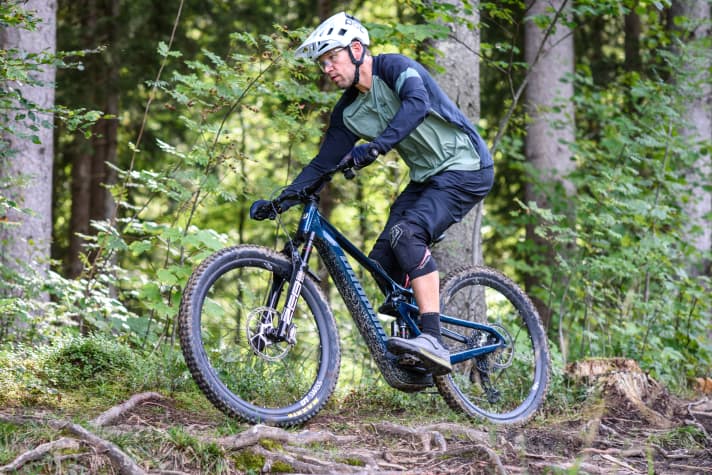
[(338, 31)]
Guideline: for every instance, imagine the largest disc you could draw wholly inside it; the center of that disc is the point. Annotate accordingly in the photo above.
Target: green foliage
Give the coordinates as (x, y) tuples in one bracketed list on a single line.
[(20, 117), (622, 282), (90, 360), (97, 365), (223, 102)]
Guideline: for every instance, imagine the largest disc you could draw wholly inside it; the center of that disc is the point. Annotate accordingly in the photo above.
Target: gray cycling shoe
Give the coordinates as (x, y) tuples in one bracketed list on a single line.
[(427, 348)]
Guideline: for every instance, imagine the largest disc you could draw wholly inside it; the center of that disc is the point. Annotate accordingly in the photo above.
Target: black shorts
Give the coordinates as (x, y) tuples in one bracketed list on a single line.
[(432, 206)]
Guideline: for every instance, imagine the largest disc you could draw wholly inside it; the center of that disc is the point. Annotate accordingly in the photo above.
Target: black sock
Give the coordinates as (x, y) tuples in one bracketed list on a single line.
[(430, 323)]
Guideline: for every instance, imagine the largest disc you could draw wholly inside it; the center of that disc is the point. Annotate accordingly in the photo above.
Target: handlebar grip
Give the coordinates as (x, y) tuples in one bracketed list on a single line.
[(347, 161), (349, 173)]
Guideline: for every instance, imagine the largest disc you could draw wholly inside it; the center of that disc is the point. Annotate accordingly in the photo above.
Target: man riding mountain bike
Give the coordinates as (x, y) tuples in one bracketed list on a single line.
[(391, 102)]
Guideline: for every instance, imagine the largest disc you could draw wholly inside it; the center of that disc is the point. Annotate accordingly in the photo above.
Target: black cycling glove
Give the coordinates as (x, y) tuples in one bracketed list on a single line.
[(363, 155), (263, 209)]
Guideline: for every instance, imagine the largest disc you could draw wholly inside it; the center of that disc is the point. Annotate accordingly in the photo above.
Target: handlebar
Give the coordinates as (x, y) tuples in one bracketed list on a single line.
[(345, 166)]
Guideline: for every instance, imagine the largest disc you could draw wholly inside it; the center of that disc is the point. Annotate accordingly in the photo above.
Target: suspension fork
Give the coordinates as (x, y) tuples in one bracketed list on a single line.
[(300, 262)]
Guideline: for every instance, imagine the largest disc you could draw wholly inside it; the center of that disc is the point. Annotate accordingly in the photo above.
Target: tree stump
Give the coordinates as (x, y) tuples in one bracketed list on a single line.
[(625, 387)]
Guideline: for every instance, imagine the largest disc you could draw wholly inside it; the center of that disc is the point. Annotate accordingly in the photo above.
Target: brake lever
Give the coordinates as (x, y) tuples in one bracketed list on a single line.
[(346, 167)]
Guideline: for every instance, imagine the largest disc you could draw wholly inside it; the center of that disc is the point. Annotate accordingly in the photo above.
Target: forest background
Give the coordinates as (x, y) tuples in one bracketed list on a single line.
[(135, 135)]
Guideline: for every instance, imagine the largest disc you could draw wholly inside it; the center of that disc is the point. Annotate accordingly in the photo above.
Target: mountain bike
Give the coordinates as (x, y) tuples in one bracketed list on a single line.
[(261, 341)]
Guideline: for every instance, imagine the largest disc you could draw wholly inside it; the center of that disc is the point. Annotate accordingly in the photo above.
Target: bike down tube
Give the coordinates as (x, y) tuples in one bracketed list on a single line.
[(313, 223)]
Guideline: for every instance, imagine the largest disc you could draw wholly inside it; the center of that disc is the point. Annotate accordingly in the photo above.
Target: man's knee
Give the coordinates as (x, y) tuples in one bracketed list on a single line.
[(410, 246)]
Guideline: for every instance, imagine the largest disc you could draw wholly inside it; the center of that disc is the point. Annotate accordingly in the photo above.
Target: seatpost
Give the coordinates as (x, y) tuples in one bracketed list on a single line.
[(285, 330)]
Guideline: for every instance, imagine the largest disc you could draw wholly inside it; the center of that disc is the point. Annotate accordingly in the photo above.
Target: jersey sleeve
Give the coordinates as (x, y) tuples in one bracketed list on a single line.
[(338, 141), (403, 77)]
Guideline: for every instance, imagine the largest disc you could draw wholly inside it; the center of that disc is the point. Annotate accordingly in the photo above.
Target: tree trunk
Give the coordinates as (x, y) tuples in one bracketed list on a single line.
[(633, 27), (459, 58), (25, 243), (551, 121), (91, 170), (698, 129)]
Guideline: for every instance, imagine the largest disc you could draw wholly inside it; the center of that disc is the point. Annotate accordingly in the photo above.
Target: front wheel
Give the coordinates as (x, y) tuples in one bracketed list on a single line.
[(228, 313), (508, 385)]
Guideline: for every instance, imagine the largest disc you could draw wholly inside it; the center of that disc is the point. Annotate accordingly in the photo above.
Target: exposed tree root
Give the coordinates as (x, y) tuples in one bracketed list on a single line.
[(119, 410), (303, 464), (255, 434), (41, 451), (473, 435), (605, 444), (426, 437), (121, 462)]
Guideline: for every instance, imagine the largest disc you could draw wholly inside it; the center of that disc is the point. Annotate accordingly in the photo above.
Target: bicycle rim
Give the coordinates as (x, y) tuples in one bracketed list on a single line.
[(227, 305), (508, 385)]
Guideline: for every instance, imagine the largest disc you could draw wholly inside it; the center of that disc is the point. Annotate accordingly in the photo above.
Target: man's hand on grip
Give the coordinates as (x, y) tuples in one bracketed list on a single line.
[(363, 155), (263, 209)]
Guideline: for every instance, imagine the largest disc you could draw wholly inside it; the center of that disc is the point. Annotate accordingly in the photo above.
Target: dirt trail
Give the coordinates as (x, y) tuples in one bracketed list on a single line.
[(635, 427)]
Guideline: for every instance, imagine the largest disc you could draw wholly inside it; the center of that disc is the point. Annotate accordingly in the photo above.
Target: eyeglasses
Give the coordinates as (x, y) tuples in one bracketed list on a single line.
[(329, 59)]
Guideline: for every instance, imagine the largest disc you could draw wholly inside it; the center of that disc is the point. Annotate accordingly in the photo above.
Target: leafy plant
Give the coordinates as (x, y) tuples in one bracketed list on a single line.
[(621, 285)]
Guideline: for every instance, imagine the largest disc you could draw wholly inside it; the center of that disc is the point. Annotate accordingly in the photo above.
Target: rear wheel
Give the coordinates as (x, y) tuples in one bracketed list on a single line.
[(505, 386), (229, 310)]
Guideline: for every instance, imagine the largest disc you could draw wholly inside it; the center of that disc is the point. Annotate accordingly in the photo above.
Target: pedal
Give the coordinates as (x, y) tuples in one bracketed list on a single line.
[(388, 308), (412, 363)]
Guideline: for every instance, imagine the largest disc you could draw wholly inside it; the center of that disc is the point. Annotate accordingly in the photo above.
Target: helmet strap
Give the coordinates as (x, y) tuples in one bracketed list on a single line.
[(356, 62)]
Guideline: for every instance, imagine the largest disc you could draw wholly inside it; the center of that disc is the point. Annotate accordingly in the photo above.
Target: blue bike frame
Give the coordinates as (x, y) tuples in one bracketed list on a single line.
[(313, 226)]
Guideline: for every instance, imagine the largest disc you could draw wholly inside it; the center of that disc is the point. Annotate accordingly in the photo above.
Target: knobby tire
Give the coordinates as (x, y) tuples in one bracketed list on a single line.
[(224, 302), (485, 295)]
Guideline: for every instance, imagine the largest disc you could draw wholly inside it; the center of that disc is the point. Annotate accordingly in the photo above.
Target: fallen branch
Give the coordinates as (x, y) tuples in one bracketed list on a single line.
[(618, 452), (40, 451), (695, 414), (691, 468), (621, 463), (117, 411)]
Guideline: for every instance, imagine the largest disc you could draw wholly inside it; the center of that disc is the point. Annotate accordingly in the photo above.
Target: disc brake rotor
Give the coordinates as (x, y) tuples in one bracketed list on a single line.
[(261, 334)]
